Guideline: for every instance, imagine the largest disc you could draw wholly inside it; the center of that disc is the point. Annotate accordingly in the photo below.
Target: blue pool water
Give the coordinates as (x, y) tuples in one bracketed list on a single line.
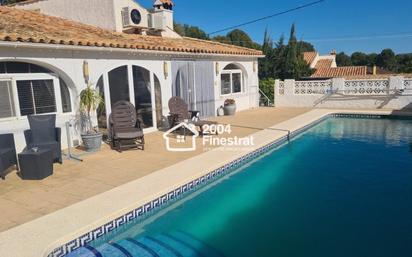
[(341, 189)]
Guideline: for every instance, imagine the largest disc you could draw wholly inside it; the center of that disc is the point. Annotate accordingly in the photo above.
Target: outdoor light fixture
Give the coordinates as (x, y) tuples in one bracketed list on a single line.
[(217, 69), (86, 73), (166, 69)]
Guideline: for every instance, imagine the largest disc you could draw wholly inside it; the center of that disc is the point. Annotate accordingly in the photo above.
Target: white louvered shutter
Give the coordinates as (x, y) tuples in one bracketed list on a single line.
[(6, 99)]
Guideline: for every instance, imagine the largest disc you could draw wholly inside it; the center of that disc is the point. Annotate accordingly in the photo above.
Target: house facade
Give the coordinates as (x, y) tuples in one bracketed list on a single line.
[(50, 50)]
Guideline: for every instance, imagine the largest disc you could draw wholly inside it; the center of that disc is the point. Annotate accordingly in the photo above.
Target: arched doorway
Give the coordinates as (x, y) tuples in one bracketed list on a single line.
[(135, 84)]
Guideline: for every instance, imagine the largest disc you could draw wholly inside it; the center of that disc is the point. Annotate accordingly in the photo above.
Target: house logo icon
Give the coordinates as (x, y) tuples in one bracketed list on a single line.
[(181, 139)]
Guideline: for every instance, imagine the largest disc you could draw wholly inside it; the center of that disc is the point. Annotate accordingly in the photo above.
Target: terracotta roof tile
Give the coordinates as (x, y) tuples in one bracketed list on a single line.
[(30, 26), (340, 72), (309, 57), (324, 63)]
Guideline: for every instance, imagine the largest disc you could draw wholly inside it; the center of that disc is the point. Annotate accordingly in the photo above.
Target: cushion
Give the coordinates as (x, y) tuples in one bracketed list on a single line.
[(131, 134)]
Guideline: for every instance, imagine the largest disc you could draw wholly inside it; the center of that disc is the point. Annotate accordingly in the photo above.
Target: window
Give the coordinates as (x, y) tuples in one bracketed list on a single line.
[(119, 80), (101, 110), (6, 99), (226, 84), (21, 67), (143, 95), (237, 82), (231, 82), (36, 97), (27, 89), (65, 95)]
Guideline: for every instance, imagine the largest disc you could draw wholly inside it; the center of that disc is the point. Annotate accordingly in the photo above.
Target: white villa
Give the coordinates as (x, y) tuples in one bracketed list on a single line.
[(50, 50)]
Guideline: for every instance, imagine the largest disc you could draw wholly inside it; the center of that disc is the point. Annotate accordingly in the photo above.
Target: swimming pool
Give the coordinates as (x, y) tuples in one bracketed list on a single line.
[(342, 188)]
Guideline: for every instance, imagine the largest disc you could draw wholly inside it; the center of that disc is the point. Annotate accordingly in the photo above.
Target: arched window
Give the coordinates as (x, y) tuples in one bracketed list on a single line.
[(231, 80), (27, 89)]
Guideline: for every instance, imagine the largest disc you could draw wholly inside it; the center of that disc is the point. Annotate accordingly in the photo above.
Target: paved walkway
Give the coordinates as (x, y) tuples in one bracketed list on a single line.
[(23, 201)]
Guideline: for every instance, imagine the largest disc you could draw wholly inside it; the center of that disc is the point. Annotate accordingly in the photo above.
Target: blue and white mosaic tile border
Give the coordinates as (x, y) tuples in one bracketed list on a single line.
[(181, 191)]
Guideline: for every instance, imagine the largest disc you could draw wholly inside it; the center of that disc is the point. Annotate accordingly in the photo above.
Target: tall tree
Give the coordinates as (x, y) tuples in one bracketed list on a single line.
[(404, 63), (343, 59), (186, 30), (240, 38), (359, 59), (295, 66), (306, 46), (387, 60), (222, 39), (266, 64), (372, 58), (291, 54)]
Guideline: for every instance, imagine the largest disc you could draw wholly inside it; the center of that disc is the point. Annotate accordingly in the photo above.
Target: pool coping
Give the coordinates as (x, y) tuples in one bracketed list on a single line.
[(90, 219)]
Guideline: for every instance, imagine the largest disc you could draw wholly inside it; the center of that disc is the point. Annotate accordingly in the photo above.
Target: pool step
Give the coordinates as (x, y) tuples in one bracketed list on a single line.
[(174, 244), (195, 243)]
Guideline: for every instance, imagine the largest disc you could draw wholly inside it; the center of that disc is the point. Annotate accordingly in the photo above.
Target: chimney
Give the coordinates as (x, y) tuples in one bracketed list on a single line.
[(333, 52), (374, 70), (163, 5), (164, 9)]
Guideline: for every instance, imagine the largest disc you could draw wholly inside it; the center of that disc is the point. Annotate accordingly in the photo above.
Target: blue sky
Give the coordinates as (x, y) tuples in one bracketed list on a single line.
[(344, 25)]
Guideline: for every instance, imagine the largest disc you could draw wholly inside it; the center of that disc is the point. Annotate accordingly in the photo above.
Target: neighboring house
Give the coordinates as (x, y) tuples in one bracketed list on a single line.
[(52, 49), (325, 66)]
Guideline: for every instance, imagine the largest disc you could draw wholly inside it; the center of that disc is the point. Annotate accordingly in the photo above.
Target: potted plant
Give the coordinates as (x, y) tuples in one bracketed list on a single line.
[(90, 100), (229, 107)]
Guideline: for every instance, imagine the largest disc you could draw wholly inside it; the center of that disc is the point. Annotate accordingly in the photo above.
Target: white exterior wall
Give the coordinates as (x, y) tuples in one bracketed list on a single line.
[(68, 64), (106, 14), (99, 13), (285, 95), (249, 98)]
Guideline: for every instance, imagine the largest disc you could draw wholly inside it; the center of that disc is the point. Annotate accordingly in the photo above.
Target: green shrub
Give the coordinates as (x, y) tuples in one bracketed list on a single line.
[(268, 87)]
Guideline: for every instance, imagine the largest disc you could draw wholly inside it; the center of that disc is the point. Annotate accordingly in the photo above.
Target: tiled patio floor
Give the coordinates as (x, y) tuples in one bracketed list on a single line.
[(22, 201)]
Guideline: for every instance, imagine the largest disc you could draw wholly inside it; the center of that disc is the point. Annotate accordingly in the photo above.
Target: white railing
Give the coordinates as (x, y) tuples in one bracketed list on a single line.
[(366, 87), (313, 87), (394, 92)]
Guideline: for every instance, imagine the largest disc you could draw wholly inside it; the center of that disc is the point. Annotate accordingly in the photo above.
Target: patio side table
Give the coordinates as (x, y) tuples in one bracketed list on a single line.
[(36, 165)]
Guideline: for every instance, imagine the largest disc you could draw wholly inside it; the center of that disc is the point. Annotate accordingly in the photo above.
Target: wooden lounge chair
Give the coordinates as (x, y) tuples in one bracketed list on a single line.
[(7, 153), (125, 128), (179, 112), (44, 134)]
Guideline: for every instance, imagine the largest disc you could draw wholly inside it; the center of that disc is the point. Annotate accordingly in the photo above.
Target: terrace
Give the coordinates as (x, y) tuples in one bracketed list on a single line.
[(73, 182)]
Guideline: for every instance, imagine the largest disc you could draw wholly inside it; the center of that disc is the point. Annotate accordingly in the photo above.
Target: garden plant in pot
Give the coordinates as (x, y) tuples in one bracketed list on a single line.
[(90, 100), (229, 107)]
